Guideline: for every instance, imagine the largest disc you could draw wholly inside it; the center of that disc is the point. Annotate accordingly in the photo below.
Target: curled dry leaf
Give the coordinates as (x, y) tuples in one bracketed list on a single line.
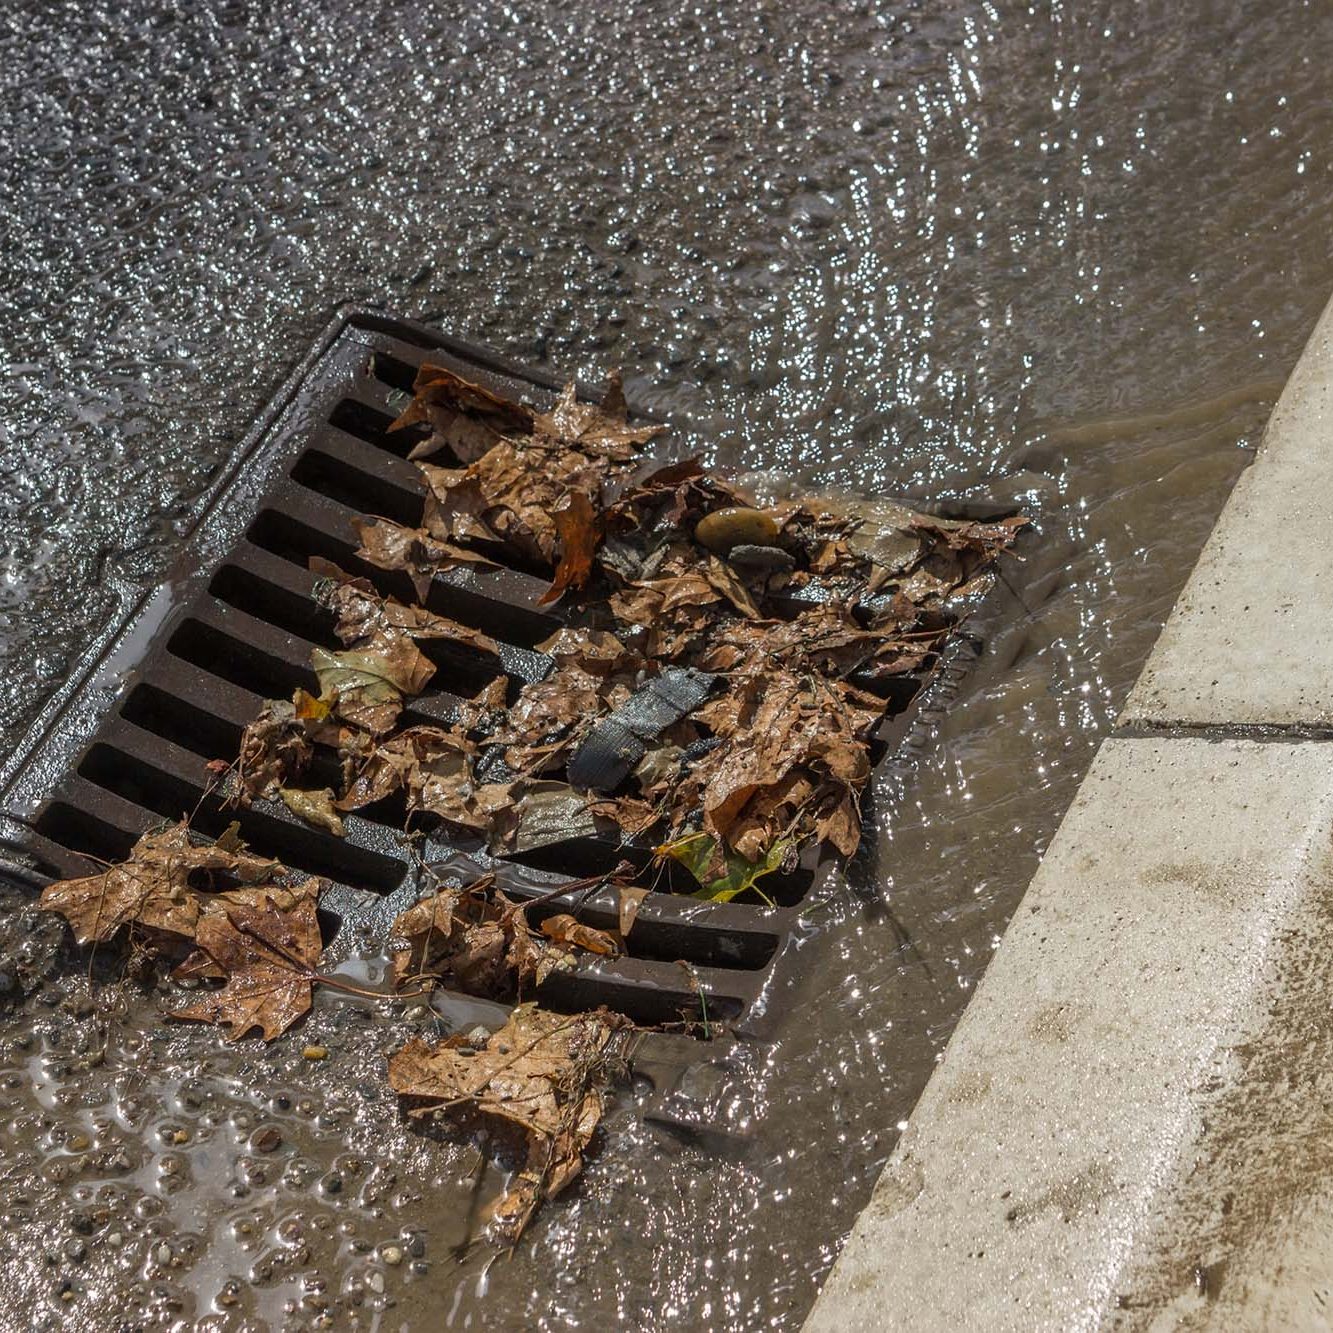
[(465, 418), (459, 936), (275, 746), (566, 929), (539, 1083), (596, 428), (478, 941), (366, 619), (578, 527), (414, 551), (433, 767)]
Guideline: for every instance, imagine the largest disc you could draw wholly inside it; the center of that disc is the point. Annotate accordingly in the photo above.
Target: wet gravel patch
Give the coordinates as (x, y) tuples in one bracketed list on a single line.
[(155, 1173)]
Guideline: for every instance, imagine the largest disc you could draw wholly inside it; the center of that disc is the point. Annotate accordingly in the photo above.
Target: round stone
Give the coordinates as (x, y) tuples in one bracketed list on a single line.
[(737, 526)]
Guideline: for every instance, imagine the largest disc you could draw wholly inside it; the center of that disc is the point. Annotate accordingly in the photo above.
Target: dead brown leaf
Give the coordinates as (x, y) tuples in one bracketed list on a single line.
[(465, 418), (275, 747), (366, 685), (315, 807), (479, 941), (367, 618), (268, 948), (596, 428), (566, 929), (630, 901), (415, 551), (159, 885), (539, 1082), (578, 527)]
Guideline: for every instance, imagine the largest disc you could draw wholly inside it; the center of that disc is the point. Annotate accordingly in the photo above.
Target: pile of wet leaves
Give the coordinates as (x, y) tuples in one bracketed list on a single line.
[(713, 694), (716, 682)]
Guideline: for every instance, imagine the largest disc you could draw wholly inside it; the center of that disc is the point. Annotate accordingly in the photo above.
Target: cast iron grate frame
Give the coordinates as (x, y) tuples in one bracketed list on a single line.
[(171, 682)]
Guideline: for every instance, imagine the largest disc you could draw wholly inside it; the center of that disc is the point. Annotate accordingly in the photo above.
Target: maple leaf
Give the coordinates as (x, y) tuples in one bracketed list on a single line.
[(465, 418), (367, 618), (595, 428), (153, 887), (267, 945), (480, 942), (415, 551)]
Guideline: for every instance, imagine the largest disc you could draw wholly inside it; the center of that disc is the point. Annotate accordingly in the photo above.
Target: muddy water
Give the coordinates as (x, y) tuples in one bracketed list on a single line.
[(1059, 255)]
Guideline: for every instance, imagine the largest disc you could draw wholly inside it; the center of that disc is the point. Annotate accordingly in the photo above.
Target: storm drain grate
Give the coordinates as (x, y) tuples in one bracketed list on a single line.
[(172, 685)]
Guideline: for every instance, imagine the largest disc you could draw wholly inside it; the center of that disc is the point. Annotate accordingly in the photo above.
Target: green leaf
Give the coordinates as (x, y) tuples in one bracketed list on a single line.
[(700, 855)]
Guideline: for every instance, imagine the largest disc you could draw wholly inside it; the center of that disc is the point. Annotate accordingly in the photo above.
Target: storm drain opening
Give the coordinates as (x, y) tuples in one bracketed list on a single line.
[(245, 619)]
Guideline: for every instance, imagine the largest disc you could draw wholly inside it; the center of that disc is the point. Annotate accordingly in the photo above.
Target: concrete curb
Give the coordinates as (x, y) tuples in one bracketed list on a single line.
[(1250, 642), (1133, 1122)]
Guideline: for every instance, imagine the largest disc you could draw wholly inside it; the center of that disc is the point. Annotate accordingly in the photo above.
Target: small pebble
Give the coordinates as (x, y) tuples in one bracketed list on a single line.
[(315, 1053), (267, 1139), (375, 1281), (162, 1253), (737, 526), (115, 1240), (392, 1255), (764, 559)]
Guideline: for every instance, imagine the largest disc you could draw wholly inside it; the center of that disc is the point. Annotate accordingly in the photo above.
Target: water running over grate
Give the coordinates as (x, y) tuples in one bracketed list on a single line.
[(125, 746)]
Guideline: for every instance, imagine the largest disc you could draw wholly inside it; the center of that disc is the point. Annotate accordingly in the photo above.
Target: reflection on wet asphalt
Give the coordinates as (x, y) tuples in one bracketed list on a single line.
[(1058, 256)]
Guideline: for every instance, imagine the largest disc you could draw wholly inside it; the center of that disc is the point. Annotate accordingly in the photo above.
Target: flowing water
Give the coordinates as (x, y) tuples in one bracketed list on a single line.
[(1058, 255)]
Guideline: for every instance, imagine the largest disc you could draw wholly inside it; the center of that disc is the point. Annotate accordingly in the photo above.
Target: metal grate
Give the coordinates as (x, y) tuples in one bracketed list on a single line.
[(174, 683)]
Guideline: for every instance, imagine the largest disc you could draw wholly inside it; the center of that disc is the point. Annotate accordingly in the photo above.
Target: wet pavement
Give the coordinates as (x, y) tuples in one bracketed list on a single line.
[(1060, 258)]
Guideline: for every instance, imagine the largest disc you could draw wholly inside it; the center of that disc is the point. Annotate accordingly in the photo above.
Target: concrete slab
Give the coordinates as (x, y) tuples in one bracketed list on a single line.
[(1114, 1134), (1250, 641)]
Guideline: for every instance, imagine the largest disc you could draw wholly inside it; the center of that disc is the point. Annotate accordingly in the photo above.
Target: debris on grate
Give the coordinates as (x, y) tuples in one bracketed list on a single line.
[(325, 482)]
